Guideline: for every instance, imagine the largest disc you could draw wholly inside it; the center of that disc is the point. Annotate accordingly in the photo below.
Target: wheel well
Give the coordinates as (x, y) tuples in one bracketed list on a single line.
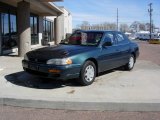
[(134, 56), (95, 62)]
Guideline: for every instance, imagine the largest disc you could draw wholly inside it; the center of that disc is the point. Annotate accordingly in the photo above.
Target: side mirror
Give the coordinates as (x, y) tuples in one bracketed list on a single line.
[(108, 43), (62, 40)]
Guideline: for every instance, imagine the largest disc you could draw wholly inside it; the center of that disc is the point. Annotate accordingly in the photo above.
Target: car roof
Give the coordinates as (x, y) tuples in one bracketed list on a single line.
[(104, 31)]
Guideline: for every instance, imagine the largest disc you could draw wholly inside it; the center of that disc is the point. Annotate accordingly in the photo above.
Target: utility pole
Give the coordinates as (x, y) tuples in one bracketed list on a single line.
[(152, 26), (117, 20), (150, 10)]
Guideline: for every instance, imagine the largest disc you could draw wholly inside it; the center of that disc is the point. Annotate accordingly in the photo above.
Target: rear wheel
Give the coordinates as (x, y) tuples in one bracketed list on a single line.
[(130, 65), (88, 73)]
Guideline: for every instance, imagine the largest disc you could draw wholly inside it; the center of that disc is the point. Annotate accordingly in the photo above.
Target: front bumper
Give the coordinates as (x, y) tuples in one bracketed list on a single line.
[(66, 72)]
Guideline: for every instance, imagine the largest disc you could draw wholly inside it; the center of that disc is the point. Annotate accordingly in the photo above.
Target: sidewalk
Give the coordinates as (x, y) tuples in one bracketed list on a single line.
[(118, 90)]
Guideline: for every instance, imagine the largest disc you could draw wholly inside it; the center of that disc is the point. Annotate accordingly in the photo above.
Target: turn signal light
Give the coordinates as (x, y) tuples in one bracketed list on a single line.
[(54, 71)]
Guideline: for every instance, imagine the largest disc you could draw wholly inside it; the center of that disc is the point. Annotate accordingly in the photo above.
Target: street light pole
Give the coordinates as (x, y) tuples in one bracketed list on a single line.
[(117, 19), (150, 10)]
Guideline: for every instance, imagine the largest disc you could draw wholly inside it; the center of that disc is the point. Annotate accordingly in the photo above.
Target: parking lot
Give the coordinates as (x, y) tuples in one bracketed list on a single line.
[(149, 52), (114, 90)]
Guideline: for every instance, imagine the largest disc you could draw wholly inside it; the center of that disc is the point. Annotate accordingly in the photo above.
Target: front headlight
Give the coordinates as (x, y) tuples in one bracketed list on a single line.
[(26, 57), (64, 61)]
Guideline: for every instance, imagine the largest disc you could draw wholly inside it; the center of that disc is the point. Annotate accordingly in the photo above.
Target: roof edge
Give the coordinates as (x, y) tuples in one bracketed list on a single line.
[(56, 7)]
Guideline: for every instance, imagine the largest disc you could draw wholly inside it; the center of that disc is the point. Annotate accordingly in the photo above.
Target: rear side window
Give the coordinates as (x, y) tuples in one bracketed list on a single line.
[(120, 37)]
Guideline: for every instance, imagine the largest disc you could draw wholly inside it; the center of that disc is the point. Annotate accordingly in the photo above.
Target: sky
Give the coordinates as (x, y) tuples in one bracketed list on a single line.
[(100, 11)]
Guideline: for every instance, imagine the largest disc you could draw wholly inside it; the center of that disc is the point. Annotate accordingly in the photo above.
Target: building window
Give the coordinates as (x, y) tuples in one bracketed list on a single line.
[(48, 30), (34, 30), (9, 31)]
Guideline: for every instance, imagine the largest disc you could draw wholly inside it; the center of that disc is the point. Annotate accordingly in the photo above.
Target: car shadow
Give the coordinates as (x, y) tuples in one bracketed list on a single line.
[(27, 80)]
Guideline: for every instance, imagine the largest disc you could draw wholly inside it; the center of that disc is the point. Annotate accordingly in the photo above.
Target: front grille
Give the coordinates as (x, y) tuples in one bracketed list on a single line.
[(36, 72), (35, 60)]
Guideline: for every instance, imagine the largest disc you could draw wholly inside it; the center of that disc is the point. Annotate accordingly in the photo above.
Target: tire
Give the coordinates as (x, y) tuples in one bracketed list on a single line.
[(130, 65), (87, 73)]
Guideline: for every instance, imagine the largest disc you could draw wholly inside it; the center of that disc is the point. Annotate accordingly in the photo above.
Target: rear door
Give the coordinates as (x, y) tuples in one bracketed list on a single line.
[(123, 48)]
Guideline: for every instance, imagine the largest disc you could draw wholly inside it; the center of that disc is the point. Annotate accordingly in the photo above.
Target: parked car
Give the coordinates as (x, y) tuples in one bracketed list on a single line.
[(145, 35), (83, 55)]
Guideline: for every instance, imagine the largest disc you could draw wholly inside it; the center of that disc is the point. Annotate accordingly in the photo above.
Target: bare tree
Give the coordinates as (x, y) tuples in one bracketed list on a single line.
[(135, 26), (102, 26), (138, 26), (85, 25), (124, 28), (142, 27)]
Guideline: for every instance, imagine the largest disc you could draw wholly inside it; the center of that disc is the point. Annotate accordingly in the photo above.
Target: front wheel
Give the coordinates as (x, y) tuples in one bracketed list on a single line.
[(129, 66), (88, 73)]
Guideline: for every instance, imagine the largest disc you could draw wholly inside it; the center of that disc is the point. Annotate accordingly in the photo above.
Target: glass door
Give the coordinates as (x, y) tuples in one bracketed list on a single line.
[(34, 30), (5, 31), (48, 30), (9, 31), (13, 31)]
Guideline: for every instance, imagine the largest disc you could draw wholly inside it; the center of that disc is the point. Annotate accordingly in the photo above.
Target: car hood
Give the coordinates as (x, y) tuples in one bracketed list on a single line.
[(59, 51)]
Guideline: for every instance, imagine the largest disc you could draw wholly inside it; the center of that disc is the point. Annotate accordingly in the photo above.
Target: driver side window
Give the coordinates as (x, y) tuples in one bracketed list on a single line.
[(109, 37)]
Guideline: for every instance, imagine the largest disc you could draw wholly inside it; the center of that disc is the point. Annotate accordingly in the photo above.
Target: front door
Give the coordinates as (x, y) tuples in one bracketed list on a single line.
[(109, 54)]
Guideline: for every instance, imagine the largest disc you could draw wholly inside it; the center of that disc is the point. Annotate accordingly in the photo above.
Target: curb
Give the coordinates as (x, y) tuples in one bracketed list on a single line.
[(65, 105)]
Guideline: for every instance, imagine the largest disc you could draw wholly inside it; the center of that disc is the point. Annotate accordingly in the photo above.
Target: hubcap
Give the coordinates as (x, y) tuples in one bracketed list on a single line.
[(131, 62), (89, 73)]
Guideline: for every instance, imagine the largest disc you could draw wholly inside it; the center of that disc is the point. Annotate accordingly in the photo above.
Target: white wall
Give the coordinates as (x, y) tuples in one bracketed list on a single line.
[(64, 23)]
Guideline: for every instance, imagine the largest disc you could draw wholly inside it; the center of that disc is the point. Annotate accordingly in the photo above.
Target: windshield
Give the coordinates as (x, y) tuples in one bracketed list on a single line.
[(84, 38)]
